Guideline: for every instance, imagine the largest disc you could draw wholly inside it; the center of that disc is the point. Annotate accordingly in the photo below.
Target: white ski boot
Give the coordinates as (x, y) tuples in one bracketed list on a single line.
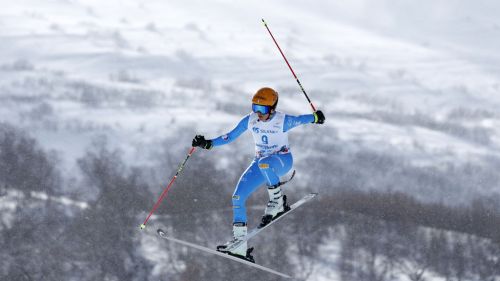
[(276, 205), (239, 232)]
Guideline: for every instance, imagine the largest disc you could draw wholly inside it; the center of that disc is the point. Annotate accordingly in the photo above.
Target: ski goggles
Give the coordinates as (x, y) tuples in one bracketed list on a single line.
[(264, 109)]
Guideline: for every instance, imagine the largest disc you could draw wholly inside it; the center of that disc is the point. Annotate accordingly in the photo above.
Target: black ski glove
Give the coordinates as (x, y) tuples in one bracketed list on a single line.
[(319, 117), (200, 141)]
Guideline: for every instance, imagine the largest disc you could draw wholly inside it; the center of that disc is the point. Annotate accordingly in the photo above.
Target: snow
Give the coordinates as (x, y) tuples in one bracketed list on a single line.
[(141, 71), (9, 202), (326, 267), (62, 200)]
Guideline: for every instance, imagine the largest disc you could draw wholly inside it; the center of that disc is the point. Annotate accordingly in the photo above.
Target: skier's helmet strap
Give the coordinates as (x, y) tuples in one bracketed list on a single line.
[(266, 96)]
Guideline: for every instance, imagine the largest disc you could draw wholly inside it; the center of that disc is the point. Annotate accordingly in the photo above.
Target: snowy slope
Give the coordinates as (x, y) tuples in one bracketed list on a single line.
[(420, 79), (414, 80)]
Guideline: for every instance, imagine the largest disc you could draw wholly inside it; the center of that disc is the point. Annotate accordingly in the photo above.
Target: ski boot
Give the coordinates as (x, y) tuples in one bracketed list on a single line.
[(242, 252), (276, 206)]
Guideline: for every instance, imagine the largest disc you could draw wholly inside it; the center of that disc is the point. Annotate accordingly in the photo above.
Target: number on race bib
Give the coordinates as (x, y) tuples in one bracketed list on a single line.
[(265, 139)]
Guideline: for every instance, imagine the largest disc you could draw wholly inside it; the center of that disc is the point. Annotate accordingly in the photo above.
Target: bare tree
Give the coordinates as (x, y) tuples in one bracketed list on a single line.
[(104, 235)]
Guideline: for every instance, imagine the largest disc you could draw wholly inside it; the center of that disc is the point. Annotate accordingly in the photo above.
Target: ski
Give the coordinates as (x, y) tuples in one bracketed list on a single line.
[(227, 256), (258, 229)]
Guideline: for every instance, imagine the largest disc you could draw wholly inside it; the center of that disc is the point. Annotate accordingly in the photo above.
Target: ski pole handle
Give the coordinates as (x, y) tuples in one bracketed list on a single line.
[(165, 191), (293, 73)]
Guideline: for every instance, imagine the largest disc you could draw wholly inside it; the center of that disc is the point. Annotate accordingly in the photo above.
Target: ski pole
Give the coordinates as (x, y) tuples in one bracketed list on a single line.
[(165, 191), (302, 88)]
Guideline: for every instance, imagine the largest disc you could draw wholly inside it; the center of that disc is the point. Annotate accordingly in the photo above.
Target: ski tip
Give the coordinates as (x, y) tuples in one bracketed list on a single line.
[(161, 232), (142, 226)]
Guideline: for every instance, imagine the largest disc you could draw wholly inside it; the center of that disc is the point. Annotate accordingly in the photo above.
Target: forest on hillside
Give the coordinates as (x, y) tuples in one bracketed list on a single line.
[(85, 226)]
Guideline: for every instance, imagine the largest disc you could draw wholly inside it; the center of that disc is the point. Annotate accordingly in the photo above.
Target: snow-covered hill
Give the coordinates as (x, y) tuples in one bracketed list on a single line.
[(411, 90), (419, 80)]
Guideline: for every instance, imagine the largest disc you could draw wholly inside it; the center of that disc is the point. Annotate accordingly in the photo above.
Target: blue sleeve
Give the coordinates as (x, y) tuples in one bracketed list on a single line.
[(294, 121), (234, 134)]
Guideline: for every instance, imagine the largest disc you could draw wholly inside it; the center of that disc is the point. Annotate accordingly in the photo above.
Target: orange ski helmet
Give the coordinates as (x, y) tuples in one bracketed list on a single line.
[(266, 96)]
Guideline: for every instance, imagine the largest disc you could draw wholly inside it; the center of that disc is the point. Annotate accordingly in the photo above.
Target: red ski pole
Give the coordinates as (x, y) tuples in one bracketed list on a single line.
[(165, 191), (300, 85)]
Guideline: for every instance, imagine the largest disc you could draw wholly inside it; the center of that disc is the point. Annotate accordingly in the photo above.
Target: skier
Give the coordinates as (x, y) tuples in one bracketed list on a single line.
[(272, 159)]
